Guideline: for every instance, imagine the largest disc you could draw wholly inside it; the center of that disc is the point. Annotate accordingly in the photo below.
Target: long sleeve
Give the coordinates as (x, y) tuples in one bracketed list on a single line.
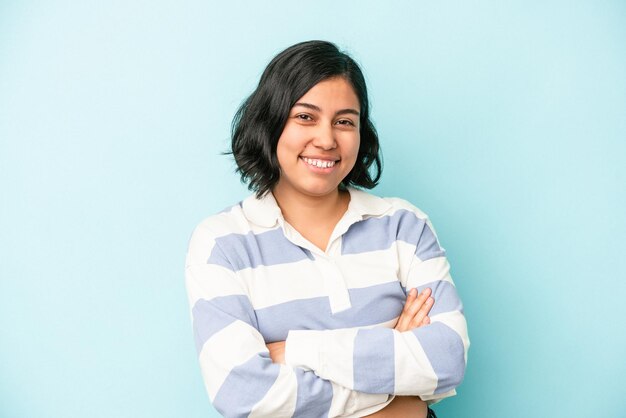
[(428, 361), (238, 373)]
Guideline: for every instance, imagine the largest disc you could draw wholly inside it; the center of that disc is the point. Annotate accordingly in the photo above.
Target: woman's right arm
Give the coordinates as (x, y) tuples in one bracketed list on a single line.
[(239, 375), (414, 315)]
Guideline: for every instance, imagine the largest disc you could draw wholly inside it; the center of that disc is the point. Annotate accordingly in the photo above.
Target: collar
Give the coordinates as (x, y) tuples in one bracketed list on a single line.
[(365, 204), (264, 211)]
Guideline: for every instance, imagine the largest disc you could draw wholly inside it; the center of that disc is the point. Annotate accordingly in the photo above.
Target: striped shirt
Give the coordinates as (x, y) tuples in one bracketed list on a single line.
[(253, 279)]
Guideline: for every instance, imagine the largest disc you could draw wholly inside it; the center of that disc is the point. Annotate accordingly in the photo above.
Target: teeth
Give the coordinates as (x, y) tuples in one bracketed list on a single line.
[(319, 163)]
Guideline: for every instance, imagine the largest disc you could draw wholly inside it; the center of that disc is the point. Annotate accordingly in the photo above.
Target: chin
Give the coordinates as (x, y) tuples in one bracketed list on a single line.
[(318, 190), (308, 185)]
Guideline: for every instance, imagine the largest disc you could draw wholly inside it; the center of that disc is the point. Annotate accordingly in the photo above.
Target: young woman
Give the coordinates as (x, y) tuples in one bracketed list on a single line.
[(313, 298)]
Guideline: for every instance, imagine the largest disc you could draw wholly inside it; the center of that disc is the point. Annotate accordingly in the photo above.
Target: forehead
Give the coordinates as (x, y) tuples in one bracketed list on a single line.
[(332, 92)]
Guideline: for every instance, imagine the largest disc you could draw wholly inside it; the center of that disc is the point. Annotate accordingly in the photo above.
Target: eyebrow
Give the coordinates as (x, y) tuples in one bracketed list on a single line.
[(317, 109)]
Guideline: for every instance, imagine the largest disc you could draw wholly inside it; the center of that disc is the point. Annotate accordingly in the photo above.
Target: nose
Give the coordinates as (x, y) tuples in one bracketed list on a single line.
[(325, 138)]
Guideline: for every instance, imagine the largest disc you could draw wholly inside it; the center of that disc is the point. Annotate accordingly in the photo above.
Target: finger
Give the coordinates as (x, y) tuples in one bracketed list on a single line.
[(405, 318), (409, 299), (418, 303), (412, 307), (421, 313), (425, 321), (419, 309)]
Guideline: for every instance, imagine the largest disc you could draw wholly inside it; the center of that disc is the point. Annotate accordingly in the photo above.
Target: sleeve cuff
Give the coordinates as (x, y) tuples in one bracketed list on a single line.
[(432, 399), (303, 349)]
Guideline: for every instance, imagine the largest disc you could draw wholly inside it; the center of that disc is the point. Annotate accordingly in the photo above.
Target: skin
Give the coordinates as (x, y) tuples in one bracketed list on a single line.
[(323, 125), (323, 129)]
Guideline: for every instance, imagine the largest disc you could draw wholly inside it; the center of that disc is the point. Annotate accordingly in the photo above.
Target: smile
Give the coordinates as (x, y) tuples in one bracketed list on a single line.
[(318, 163)]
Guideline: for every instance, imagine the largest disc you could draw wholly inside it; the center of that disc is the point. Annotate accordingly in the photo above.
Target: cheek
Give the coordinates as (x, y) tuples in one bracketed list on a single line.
[(352, 146), (287, 152), (282, 156), (289, 140), (283, 144)]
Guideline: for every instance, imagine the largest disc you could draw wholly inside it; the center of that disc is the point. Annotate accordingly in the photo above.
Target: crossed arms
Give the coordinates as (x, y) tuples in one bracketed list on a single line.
[(348, 372), (334, 373)]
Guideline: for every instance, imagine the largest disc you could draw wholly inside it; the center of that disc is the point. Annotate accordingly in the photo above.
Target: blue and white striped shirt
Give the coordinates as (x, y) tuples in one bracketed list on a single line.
[(253, 279)]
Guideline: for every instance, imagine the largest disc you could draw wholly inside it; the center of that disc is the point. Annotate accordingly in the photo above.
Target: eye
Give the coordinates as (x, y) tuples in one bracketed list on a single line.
[(304, 117), (345, 122)]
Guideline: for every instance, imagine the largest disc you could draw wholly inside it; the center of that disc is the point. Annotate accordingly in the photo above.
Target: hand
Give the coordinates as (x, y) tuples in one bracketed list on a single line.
[(277, 351), (415, 311)]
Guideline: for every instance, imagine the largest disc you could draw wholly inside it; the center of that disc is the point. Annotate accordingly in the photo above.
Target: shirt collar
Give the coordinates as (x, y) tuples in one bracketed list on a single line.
[(265, 212), (365, 204)]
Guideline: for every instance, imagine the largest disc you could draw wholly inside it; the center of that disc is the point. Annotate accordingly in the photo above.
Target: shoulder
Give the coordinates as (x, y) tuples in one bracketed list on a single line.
[(399, 204), (229, 221), (408, 215), (404, 208), (414, 226), (389, 219)]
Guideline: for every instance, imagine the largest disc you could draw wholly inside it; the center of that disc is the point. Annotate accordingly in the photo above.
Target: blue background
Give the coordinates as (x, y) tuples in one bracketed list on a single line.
[(503, 120)]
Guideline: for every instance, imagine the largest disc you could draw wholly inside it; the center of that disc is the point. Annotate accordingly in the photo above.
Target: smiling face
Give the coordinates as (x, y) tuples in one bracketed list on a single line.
[(320, 141)]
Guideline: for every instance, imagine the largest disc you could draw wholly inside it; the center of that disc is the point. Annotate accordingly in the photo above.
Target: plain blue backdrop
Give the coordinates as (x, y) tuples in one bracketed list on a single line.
[(503, 120)]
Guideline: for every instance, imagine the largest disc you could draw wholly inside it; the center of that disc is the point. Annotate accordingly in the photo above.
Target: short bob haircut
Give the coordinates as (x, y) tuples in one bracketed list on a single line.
[(260, 120)]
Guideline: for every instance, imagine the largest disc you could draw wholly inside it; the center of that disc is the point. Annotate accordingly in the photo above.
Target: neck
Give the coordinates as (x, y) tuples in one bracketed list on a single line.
[(300, 209)]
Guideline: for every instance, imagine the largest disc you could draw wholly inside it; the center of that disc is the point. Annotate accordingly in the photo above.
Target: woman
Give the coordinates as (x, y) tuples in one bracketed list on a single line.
[(312, 298)]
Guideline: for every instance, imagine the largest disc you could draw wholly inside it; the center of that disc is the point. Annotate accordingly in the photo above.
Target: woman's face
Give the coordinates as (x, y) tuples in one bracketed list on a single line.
[(320, 142)]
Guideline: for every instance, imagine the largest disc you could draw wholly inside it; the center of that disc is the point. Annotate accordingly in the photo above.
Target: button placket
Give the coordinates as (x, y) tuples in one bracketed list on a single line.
[(334, 285), (333, 281)]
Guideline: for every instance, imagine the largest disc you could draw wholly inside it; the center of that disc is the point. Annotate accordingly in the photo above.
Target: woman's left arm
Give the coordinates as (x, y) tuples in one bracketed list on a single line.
[(428, 361)]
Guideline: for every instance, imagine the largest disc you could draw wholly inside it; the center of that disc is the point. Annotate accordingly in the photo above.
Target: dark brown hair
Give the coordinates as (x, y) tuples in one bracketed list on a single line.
[(260, 120)]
